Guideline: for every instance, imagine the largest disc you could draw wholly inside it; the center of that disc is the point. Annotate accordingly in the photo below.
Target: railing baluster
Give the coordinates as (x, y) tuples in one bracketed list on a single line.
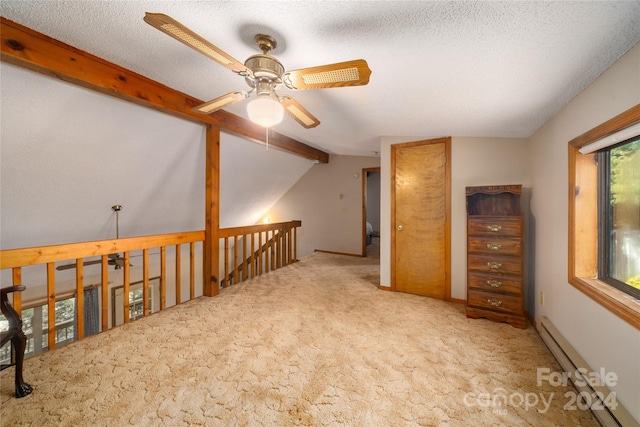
[(192, 270), (289, 250), (236, 277), (267, 254), (178, 287), (226, 262), (51, 305), (104, 282), (273, 255), (295, 243), (274, 250), (283, 242), (245, 268), (163, 277), (274, 239), (264, 253), (276, 247), (284, 247), (79, 299), (253, 254), (145, 282), (279, 250), (126, 280), (260, 257)]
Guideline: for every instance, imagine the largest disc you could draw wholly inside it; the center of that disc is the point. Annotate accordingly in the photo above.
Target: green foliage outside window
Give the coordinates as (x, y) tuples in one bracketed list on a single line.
[(624, 191)]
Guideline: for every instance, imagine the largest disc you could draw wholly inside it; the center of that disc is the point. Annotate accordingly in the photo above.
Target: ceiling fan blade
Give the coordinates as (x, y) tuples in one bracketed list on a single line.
[(220, 102), (350, 73), (173, 28), (298, 112), (69, 266)]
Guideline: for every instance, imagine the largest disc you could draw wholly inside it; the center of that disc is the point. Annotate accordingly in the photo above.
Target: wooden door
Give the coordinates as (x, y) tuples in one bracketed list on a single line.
[(421, 207)]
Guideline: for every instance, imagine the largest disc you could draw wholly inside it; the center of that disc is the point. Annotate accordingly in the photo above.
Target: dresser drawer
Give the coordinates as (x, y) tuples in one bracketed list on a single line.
[(495, 302), (498, 246), (495, 264), (498, 284), (495, 226)]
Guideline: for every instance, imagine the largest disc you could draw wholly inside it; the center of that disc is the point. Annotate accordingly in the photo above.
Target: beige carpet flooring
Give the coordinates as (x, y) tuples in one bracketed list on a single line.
[(313, 344)]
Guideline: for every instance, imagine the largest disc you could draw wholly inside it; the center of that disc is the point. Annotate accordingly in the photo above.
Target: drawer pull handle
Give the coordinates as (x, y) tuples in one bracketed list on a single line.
[(494, 265), (494, 302), (494, 246), (494, 227), (494, 283)]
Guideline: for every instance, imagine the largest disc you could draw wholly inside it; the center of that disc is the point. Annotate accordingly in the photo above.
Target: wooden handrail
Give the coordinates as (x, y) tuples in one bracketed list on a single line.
[(11, 258), (249, 229)]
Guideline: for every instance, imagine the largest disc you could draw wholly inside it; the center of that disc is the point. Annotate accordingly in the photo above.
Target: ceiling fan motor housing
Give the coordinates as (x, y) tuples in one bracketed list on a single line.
[(264, 68)]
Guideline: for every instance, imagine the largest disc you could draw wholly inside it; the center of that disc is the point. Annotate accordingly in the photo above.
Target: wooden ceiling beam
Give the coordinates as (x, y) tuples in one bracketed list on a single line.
[(29, 49)]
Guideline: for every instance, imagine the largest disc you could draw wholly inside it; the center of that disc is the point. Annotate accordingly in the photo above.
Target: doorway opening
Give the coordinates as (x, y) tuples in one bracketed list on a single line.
[(371, 212)]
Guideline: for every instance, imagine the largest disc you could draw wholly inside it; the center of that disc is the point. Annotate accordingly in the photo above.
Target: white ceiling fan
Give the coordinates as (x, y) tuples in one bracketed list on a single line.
[(265, 74)]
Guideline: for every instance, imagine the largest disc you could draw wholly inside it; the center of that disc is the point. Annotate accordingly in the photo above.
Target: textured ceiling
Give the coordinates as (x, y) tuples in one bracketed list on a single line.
[(439, 68)]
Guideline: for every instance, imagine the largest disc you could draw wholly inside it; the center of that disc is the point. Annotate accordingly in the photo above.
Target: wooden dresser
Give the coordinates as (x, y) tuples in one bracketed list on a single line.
[(495, 266)]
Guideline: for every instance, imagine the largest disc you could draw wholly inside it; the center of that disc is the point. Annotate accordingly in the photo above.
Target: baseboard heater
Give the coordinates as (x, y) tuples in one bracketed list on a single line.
[(609, 412)]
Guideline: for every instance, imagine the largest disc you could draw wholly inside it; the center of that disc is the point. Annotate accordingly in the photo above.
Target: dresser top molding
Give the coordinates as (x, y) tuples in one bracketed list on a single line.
[(494, 189)]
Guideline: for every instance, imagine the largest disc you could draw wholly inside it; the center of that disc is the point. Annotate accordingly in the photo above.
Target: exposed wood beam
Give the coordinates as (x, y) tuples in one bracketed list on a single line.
[(211, 272), (29, 49)]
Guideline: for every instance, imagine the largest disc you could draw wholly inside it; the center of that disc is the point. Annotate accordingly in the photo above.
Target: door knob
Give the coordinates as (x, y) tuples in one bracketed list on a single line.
[(400, 228)]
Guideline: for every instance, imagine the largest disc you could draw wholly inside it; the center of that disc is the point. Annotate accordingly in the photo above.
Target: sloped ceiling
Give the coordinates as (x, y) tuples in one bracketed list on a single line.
[(459, 68)]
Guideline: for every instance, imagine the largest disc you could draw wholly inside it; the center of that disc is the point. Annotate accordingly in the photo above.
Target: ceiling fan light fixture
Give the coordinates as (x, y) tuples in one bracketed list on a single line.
[(265, 111)]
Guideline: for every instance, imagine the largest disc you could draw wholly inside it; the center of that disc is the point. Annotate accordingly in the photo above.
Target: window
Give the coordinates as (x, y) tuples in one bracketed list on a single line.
[(35, 325), (136, 303), (619, 228), (603, 261)]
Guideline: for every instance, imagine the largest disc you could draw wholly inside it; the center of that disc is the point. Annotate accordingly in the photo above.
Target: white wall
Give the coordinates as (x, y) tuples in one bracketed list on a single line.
[(603, 339), (69, 154), (475, 161), (328, 200), (253, 178)]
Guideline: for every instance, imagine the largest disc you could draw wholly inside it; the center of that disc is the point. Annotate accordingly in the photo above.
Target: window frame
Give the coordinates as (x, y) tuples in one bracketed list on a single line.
[(583, 221)]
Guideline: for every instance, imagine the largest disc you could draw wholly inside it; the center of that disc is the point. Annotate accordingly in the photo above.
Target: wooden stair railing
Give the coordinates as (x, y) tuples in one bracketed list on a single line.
[(47, 256), (271, 246), (276, 247)]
